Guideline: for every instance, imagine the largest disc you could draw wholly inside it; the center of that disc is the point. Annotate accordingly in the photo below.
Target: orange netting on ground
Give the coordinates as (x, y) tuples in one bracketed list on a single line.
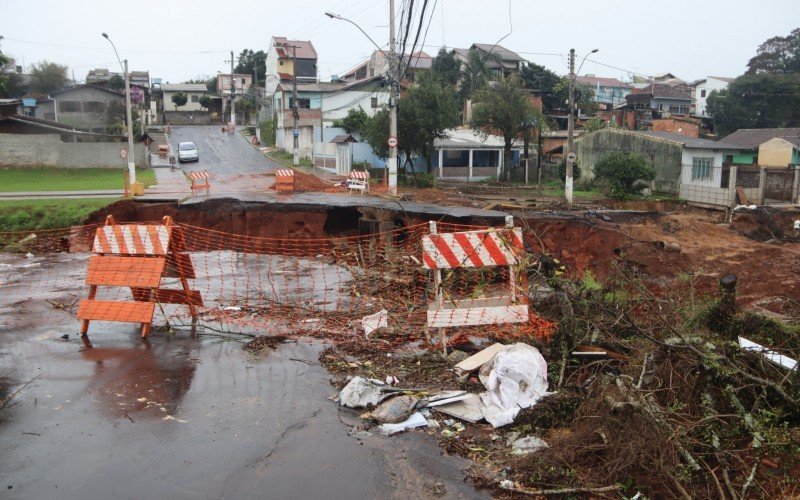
[(316, 287)]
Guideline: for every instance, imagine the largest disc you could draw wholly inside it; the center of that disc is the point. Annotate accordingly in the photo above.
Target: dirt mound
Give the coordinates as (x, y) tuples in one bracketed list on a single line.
[(304, 182), (766, 223)]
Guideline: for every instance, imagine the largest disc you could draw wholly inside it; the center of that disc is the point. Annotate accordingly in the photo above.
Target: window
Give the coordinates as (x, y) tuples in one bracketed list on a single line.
[(452, 154), (702, 92), (361, 73), (195, 98), (69, 106), (94, 107), (374, 102), (280, 62), (701, 168)]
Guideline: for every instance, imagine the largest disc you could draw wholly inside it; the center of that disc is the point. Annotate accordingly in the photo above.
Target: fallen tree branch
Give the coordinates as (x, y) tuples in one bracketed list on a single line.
[(562, 491)]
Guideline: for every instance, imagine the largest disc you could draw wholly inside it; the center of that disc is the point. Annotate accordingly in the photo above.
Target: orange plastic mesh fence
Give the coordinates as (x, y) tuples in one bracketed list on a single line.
[(318, 287)]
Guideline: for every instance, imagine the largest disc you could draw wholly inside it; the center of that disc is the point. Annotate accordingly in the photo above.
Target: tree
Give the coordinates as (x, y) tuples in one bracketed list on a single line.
[(446, 67), (597, 123), (539, 78), (762, 100), (428, 109), (250, 62), (179, 99), (209, 81), (116, 82), (206, 101), (778, 55), (474, 74), (47, 77), (503, 107), (584, 95), (622, 171), (355, 120)]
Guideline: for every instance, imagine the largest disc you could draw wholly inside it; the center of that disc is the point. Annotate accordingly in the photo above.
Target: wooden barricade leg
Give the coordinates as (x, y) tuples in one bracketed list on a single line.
[(85, 323), (176, 247)]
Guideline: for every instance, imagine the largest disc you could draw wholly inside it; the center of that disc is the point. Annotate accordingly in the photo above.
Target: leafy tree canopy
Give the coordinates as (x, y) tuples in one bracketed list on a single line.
[(47, 77), (116, 82), (179, 99), (206, 101), (504, 107), (355, 121), (763, 100), (542, 79), (778, 55), (446, 67), (250, 62)]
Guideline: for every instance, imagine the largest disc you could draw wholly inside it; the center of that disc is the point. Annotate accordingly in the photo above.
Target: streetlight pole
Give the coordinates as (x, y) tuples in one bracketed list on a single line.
[(129, 128), (394, 81), (568, 187)]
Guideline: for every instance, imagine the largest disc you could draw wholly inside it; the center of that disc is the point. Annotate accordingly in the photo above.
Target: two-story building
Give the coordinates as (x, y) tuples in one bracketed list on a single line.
[(319, 104), (496, 58), (608, 92), (378, 64), (703, 88), (241, 84), (287, 60), (657, 100)]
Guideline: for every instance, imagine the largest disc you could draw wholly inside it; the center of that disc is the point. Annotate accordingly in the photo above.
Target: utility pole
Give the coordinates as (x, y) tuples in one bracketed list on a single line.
[(256, 98), (570, 128), (233, 96), (395, 80), (131, 163), (295, 110)]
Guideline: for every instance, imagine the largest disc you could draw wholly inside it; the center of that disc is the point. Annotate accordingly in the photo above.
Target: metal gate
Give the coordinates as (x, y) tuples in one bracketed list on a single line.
[(778, 184)]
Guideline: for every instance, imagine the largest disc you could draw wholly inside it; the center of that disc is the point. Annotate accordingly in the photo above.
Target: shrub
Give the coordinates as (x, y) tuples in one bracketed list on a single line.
[(562, 170), (620, 171)]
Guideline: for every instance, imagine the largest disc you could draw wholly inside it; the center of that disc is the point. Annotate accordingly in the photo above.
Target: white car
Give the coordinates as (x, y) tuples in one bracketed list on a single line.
[(187, 151)]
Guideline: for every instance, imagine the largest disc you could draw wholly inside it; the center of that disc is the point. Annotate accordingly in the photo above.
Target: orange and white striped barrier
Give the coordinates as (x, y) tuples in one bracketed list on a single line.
[(475, 249), (284, 179), (137, 256), (200, 180)]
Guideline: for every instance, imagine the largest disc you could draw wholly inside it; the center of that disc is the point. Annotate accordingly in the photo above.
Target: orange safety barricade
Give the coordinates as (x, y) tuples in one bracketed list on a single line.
[(200, 180), (358, 181), (284, 179), (475, 249), (137, 256)]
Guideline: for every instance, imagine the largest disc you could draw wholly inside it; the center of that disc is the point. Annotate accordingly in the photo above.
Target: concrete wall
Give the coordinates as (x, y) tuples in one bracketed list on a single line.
[(285, 140), (191, 118), (27, 150), (711, 194), (663, 155), (775, 152)]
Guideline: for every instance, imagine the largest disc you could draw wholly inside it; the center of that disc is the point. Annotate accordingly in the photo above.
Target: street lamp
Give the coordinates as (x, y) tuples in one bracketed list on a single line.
[(393, 84), (129, 128), (568, 183)]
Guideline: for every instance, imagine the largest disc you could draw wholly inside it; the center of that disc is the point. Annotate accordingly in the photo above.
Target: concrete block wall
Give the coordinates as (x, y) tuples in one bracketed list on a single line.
[(28, 150), (707, 195)]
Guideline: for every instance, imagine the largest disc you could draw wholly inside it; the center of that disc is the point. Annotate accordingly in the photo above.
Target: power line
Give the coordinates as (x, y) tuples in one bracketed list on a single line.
[(51, 44)]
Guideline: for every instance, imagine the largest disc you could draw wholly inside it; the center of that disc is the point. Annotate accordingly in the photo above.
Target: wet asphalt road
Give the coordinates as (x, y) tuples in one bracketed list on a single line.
[(221, 154), (179, 417)]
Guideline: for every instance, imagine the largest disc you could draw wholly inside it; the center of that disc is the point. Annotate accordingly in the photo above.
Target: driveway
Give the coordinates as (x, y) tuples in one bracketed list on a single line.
[(221, 154)]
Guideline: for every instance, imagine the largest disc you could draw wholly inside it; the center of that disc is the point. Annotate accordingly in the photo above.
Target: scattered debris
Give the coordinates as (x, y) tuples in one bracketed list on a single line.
[(360, 392), (467, 409), (477, 360), (264, 342), (778, 359), (374, 321), (515, 379), (415, 420), (527, 444), (395, 410)]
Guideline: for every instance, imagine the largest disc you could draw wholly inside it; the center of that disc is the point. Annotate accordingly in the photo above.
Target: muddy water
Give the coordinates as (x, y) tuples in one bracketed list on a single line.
[(182, 417)]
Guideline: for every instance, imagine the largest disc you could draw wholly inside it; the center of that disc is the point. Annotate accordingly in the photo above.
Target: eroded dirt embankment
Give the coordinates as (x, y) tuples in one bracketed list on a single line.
[(709, 249)]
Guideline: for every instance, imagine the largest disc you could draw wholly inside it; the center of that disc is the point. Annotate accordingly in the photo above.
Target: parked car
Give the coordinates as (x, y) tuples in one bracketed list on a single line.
[(187, 151)]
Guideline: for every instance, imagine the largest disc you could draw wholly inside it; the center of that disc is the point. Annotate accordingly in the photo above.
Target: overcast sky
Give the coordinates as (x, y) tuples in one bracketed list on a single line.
[(177, 40)]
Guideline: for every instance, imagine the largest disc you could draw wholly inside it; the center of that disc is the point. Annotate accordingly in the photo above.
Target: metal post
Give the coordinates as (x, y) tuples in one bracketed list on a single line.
[(295, 110), (395, 80), (570, 127), (233, 96), (131, 161)]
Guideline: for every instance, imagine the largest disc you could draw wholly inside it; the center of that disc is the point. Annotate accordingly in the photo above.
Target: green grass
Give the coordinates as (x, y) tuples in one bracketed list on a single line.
[(13, 180), (286, 158), (26, 215)]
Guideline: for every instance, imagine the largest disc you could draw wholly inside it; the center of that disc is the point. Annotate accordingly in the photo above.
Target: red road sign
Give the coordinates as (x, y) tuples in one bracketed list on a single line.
[(392, 142)]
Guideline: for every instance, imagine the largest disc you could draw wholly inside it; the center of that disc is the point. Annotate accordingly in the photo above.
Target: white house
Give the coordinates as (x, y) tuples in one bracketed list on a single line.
[(193, 91), (467, 155), (703, 88)]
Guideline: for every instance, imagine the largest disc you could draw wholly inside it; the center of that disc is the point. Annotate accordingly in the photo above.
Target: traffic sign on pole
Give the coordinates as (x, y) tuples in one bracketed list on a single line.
[(392, 142), (123, 153)]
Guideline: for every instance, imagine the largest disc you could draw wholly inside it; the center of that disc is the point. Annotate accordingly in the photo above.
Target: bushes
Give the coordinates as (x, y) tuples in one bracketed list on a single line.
[(562, 170), (620, 172)]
